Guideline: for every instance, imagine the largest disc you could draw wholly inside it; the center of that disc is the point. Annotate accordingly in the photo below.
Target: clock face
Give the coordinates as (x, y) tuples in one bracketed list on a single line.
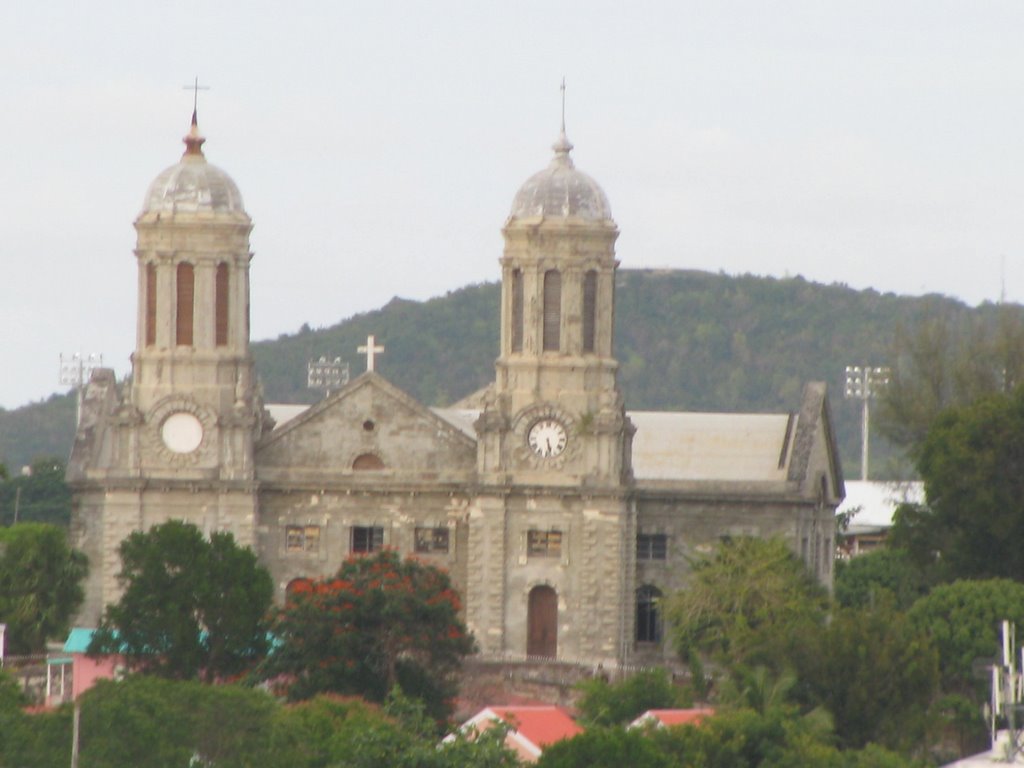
[(181, 432), (547, 438)]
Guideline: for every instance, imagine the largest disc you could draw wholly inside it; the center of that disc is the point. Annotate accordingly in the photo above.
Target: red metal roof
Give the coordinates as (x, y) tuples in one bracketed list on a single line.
[(541, 725)]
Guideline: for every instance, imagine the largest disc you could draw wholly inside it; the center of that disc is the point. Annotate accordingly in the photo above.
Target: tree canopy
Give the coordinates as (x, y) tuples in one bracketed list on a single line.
[(604, 703), (745, 604), (380, 622), (877, 674), (40, 585), (190, 606), (860, 581), (972, 463), (963, 620)]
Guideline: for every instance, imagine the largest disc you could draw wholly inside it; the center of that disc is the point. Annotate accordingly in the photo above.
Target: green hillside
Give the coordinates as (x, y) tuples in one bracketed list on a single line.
[(685, 340)]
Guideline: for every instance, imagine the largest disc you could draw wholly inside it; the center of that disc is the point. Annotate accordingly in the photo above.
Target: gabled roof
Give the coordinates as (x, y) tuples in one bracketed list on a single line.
[(531, 728), (294, 420), (709, 446), (664, 718)]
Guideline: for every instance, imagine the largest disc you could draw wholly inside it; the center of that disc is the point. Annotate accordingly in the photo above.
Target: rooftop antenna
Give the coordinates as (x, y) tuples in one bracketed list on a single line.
[(1007, 696)]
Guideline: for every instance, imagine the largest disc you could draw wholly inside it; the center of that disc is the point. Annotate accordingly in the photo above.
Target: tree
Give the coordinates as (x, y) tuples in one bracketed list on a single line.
[(381, 621), (40, 585), (963, 619), (39, 496), (876, 672), (606, 748), (189, 606), (604, 703), (860, 581), (972, 462), (949, 358), (745, 605)]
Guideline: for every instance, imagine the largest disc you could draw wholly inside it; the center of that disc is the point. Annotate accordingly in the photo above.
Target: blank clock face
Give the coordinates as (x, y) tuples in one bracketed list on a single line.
[(548, 438), (181, 432)]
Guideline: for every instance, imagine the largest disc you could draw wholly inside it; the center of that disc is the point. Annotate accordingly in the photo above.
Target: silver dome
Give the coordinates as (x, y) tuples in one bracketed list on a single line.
[(561, 190), (193, 185)]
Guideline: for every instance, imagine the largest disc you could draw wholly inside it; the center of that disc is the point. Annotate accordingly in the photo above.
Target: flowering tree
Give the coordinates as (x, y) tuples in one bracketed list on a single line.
[(381, 622)]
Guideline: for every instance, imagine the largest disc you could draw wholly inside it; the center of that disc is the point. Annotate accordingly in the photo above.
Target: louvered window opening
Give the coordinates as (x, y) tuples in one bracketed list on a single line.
[(185, 306), (517, 310), (150, 305), (552, 310), (221, 310), (589, 311)]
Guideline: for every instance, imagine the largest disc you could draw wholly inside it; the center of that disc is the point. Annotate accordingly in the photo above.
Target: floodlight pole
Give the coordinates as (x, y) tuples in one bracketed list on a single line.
[(326, 374), (863, 382), (74, 372)]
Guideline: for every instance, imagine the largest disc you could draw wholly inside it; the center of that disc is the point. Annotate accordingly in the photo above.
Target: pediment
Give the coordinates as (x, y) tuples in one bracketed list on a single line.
[(369, 427)]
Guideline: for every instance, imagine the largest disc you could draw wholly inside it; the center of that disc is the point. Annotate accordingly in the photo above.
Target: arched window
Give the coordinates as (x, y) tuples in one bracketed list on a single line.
[(589, 311), (221, 306), (648, 615), (517, 310), (552, 310), (185, 304), (367, 462), (150, 305)]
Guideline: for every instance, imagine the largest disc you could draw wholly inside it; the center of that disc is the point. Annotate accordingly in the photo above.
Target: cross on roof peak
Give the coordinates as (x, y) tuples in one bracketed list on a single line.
[(370, 349)]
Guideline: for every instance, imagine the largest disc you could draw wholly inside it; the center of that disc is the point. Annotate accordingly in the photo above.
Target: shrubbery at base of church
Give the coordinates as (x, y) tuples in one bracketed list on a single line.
[(380, 622), (190, 607), (40, 585)]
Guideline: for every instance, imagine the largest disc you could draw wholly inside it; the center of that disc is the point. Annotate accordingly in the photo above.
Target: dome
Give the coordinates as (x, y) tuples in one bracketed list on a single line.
[(561, 190), (193, 185)]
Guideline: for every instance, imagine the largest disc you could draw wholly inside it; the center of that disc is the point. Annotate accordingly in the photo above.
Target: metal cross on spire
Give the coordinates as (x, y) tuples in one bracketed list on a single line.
[(195, 88), (563, 103), (370, 350)]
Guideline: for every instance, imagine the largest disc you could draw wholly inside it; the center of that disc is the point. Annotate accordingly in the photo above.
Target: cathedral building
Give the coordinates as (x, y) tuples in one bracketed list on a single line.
[(561, 515)]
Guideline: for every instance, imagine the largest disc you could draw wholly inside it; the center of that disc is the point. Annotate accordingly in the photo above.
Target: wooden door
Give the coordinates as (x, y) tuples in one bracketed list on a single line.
[(542, 623)]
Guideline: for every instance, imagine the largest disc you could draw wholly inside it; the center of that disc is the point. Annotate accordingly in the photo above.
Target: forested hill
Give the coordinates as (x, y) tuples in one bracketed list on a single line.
[(685, 340)]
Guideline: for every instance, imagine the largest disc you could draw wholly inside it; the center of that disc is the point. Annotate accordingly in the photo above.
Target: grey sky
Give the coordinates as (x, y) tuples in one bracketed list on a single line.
[(378, 146)]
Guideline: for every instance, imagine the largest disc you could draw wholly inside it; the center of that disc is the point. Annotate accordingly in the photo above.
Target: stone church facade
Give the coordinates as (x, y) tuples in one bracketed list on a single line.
[(561, 516)]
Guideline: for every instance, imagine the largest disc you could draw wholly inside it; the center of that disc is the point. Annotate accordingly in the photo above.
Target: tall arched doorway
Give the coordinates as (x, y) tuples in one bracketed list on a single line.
[(542, 623)]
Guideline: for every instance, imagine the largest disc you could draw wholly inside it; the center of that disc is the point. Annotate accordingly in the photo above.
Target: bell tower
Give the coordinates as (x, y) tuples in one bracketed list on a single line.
[(177, 440), (556, 414), (193, 380)]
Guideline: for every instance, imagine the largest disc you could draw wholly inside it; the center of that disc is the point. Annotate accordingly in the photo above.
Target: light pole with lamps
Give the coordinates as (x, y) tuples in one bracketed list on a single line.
[(863, 382)]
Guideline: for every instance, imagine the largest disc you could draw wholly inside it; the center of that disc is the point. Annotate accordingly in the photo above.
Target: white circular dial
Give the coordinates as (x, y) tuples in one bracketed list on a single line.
[(548, 437), (181, 432)]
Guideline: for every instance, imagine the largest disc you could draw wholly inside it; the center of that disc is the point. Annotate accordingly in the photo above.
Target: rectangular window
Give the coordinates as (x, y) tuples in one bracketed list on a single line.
[(431, 540), (544, 543), (367, 538), (302, 538), (651, 546)]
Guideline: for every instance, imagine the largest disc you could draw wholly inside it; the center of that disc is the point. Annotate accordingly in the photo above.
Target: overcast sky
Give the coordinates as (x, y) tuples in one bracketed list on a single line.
[(378, 146)]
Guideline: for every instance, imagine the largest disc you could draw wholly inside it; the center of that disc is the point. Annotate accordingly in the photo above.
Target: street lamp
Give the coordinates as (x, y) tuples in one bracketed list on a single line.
[(863, 382)]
